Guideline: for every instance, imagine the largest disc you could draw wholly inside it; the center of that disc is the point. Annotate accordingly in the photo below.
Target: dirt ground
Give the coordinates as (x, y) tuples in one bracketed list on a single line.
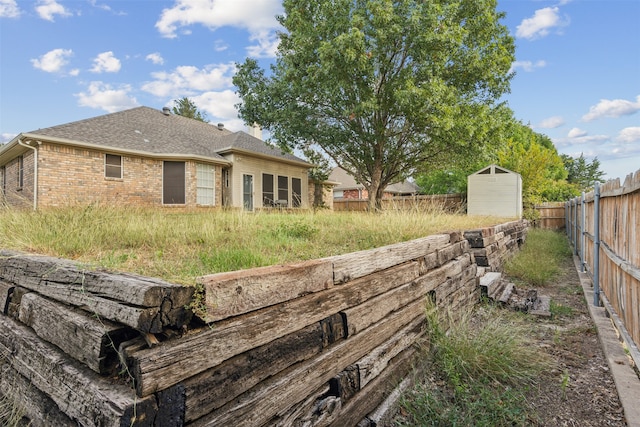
[(580, 391)]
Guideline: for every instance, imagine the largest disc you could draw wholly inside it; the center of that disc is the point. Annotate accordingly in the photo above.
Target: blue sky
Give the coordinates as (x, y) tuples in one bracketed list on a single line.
[(577, 64)]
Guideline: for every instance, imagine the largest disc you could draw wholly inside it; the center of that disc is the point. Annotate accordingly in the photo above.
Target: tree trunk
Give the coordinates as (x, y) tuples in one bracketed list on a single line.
[(317, 194), (375, 191)]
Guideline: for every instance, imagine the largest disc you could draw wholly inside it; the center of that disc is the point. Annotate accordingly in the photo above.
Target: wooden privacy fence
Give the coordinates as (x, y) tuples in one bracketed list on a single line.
[(324, 342), (552, 215), (604, 229), (447, 202)]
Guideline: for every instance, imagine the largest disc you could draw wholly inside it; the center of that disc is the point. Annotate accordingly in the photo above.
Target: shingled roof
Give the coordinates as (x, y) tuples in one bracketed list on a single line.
[(149, 131)]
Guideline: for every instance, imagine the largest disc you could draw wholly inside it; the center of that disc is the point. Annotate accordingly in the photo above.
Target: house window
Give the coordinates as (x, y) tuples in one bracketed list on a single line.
[(283, 188), (173, 183), (268, 198), (20, 171), (296, 192), (112, 166), (205, 175)]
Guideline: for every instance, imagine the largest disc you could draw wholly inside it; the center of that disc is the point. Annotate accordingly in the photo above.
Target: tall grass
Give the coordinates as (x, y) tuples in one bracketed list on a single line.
[(540, 259), (484, 365), (181, 245)]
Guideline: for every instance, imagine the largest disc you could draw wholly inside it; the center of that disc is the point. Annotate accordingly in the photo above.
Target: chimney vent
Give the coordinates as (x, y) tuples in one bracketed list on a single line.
[(166, 111), (220, 126)]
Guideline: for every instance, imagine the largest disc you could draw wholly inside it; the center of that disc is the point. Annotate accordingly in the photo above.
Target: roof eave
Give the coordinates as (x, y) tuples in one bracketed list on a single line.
[(235, 150), (119, 150)]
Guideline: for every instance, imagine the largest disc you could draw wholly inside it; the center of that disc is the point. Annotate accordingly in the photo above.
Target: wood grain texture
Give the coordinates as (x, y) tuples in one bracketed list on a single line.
[(237, 292), (6, 290), (77, 391)]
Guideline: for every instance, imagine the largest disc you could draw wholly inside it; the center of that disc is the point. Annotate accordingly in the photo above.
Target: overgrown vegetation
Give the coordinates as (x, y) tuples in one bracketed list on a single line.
[(540, 258), (483, 366), (181, 245)]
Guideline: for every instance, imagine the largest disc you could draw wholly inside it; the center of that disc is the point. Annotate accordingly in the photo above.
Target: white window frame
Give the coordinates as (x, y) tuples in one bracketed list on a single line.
[(205, 184)]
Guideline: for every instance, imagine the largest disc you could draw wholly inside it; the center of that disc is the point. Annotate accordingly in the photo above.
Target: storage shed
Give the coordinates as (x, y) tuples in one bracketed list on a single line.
[(495, 191)]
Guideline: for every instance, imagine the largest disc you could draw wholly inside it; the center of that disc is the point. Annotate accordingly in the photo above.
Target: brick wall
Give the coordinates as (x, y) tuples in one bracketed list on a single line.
[(16, 195), (69, 175)]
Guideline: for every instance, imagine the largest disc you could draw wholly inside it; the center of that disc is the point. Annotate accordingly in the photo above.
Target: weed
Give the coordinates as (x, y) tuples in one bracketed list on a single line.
[(486, 366), (539, 260), (564, 383), (559, 310)]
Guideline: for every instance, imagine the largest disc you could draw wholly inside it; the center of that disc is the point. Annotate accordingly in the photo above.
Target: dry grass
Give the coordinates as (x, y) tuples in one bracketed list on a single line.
[(181, 245)]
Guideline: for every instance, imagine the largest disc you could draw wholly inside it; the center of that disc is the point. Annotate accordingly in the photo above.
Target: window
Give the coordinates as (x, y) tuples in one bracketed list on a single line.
[(283, 188), (112, 166), (268, 198), (205, 177), (296, 192), (173, 183), (20, 171)]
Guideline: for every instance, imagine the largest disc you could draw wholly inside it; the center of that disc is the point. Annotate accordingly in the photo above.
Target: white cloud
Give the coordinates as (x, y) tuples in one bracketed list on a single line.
[(267, 45), (47, 9), (6, 137), (551, 122), (156, 58), (9, 9), (527, 66), (220, 107), (53, 61), (541, 24), (576, 133), (257, 17), (612, 108), (629, 135), (190, 79), (103, 96), (106, 62), (220, 46)]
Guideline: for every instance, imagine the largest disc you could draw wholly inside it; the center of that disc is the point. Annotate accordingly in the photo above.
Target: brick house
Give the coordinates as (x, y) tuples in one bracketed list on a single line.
[(349, 188), (148, 157)]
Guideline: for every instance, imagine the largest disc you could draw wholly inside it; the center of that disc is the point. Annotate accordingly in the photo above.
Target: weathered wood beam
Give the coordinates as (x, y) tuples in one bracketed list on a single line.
[(160, 367), (237, 292), (140, 302), (79, 392), (76, 332)]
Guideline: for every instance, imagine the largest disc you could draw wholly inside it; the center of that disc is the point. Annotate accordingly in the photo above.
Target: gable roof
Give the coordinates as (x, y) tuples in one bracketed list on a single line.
[(348, 182), (149, 132)]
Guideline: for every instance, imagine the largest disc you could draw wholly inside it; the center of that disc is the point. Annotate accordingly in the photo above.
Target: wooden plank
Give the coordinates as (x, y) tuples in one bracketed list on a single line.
[(374, 363), (237, 292), (315, 409), (216, 387), (142, 303), (279, 393), (624, 265), (358, 264), (13, 306), (36, 406), (171, 407), (368, 399), (6, 290), (173, 361), (77, 333), (360, 317), (79, 392)]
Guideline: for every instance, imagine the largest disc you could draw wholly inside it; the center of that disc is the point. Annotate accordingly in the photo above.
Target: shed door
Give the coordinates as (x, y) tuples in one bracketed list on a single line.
[(173, 183)]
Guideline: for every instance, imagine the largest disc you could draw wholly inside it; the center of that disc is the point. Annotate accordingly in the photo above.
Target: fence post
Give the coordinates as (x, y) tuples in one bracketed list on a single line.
[(576, 225), (583, 227), (596, 245)]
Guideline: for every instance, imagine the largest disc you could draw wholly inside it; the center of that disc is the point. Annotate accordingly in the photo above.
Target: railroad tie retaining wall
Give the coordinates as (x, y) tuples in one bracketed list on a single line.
[(321, 342)]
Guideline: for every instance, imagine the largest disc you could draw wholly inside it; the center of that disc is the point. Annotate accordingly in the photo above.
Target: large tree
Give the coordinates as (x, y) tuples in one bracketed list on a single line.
[(582, 173), (186, 108), (382, 86)]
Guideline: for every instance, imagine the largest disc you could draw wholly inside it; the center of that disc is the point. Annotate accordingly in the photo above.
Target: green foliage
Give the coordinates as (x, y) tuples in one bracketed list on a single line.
[(382, 87), (581, 173), (529, 154), (539, 260), (557, 310), (486, 364), (449, 181), (186, 108)]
